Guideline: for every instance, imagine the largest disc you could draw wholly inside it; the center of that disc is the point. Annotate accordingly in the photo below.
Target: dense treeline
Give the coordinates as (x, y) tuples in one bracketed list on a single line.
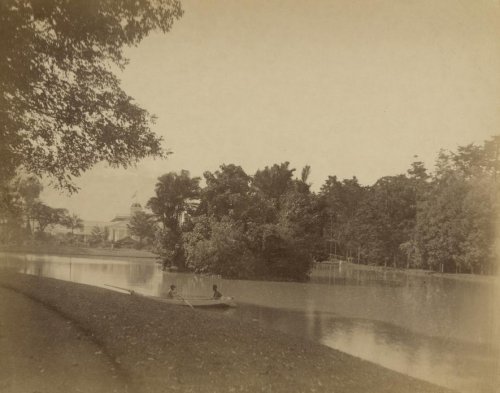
[(272, 225), (442, 221)]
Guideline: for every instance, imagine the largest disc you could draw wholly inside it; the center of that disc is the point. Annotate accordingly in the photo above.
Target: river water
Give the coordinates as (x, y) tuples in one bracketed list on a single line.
[(444, 330)]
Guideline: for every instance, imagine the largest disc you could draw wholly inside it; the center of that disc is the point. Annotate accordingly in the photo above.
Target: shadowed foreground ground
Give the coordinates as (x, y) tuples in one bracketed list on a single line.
[(57, 336)]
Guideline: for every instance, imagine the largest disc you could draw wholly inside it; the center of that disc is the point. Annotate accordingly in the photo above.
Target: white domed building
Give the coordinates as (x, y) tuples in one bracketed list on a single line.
[(118, 227)]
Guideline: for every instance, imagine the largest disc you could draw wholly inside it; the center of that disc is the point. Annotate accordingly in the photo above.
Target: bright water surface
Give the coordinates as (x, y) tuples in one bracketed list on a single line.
[(443, 330)]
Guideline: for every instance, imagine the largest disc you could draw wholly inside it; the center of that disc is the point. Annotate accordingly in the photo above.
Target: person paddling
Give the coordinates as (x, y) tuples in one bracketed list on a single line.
[(217, 294), (172, 293)]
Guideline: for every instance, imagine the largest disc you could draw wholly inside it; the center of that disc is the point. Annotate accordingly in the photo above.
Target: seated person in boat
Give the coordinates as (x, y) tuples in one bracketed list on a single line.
[(217, 294), (172, 293)]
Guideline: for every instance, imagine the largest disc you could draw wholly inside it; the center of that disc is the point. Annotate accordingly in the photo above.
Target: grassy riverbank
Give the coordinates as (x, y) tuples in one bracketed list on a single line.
[(164, 348), (94, 252)]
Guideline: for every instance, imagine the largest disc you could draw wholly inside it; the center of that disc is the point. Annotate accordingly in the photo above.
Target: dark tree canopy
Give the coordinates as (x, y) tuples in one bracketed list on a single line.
[(274, 181), (175, 193), (61, 108), (45, 215), (226, 191)]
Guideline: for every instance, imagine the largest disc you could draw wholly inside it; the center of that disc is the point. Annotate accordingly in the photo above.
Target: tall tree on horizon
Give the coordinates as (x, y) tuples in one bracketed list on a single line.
[(273, 182)]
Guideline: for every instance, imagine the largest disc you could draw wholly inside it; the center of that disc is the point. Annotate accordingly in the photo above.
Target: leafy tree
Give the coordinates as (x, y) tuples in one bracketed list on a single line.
[(439, 227), (99, 235), (342, 197), (341, 201), (45, 215), (275, 181), (386, 219), (167, 245), (301, 216), (142, 225), (219, 247), (236, 226), (418, 171), (470, 160), (62, 109), (455, 220), (480, 210), (226, 192), (175, 196), (282, 255)]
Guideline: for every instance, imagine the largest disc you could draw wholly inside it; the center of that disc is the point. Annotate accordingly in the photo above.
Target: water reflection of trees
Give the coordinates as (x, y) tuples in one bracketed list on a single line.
[(341, 274), (431, 304), (442, 360), (140, 274)]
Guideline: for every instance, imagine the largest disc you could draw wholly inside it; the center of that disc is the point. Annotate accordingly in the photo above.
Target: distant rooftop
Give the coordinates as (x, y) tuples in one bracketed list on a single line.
[(121, 217)]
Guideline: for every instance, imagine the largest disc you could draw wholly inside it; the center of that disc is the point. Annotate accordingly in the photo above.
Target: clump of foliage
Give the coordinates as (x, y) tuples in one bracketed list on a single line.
[(240, 227), (99, 236), (218, 247)]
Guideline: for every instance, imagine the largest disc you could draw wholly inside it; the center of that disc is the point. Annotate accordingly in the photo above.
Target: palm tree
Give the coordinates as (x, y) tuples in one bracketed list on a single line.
[(72, 222)]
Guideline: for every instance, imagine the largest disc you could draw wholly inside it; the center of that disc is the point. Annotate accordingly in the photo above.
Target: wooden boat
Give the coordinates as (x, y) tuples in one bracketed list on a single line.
[(224, 301), (199, 302)]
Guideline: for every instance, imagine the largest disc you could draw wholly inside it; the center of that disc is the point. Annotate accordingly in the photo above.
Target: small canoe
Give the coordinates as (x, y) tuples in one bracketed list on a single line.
[(224, 301)]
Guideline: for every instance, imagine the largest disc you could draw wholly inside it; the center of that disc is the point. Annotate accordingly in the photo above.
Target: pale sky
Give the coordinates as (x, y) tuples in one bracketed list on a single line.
[(349, 87)]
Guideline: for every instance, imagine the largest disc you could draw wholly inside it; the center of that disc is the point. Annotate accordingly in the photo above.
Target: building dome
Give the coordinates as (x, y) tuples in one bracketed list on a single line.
[(135, 208)]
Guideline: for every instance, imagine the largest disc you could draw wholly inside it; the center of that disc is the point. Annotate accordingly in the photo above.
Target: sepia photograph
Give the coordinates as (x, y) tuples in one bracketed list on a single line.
[(222, 196)]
